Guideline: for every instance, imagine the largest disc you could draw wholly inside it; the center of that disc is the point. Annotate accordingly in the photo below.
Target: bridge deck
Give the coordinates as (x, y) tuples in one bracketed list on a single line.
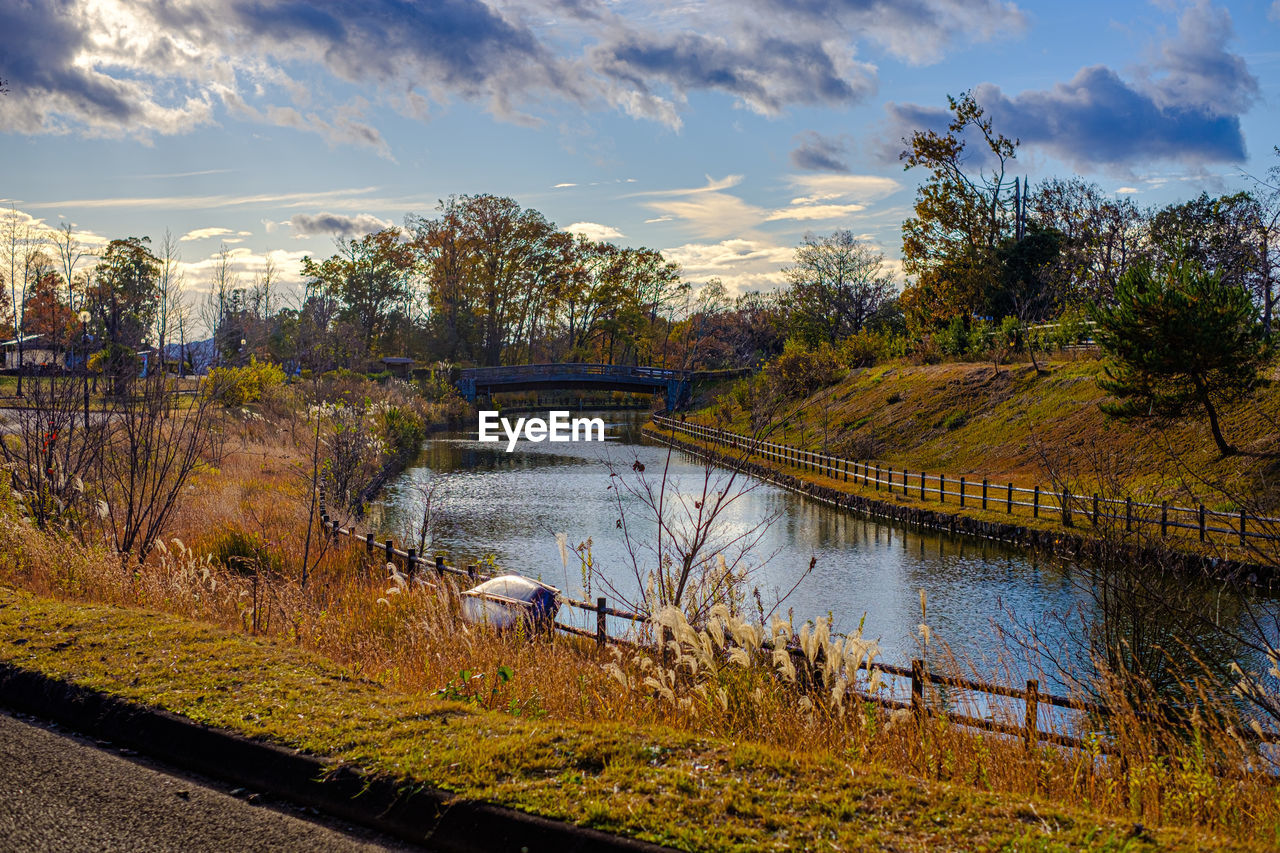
[(621, 377)]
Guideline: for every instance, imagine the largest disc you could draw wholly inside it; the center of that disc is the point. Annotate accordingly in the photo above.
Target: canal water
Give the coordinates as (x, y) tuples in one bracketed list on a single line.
[(509, 507)]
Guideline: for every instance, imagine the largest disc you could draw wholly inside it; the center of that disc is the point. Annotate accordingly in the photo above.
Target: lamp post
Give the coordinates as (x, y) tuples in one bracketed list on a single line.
[(84, 342)]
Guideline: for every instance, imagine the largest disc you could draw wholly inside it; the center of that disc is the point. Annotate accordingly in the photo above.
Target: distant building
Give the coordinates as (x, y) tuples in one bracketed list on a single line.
[(398, 366), (35, 353)]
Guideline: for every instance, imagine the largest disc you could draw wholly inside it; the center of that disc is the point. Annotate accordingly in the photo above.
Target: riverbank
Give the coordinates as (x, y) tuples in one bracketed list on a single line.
[(1018, 425), (689, 792), (905, 506)]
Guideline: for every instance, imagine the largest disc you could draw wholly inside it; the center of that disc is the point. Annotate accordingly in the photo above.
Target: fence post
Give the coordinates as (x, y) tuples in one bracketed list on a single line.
[(1095, 509), (904, 482), (984, 492), (922, 476), (411, 561), (1243, 536), (1035, 504), (1201, 513), (877, 478), (1128, 514), (846, 470), (391, 551), (890, 478), (1164, 517), (1033, 714), (602, 633), (439, 564), (368, 544), (1066, 509), (1009, 501), (942, 488), (962, 492), (472, 573), (917, 690)]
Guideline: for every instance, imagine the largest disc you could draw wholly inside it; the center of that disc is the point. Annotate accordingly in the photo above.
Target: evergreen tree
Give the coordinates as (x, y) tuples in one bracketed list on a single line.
[(1179, 339)]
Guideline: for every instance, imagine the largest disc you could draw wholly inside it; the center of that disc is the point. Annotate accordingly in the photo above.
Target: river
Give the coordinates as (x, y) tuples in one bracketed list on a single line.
[(508, 508)]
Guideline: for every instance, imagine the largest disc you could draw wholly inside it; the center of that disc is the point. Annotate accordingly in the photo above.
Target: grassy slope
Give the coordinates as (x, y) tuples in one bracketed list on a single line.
[(966, 420), (693, 793)]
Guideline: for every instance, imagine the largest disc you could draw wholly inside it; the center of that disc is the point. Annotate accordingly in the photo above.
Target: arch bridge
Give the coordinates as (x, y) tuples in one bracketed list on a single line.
[(480, 381)]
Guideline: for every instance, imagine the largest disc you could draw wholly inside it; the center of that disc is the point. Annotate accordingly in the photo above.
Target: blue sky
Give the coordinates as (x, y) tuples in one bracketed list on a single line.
[(718, 131)]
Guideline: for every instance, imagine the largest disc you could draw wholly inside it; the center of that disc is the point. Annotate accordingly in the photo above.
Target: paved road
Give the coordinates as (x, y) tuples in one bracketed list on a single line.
[(60, 792)]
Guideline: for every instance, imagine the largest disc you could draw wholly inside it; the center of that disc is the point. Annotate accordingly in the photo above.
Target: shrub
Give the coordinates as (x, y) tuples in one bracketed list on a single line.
[(239, 386), (954, 339), (800, 371), (401, 428), (243, 552)]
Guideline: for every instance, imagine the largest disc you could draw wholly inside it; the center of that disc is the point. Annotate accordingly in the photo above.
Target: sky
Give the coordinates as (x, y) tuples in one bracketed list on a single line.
[(719, 131)]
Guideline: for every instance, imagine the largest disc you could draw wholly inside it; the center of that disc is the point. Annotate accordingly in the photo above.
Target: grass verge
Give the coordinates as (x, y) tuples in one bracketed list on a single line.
[(690, 792)]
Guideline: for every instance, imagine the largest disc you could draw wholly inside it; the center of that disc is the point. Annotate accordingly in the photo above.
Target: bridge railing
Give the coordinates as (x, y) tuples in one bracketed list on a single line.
[(524, 371)]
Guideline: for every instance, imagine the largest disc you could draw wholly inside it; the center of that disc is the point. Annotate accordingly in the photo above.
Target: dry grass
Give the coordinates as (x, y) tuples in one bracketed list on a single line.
[(409, 638), (964, 419)]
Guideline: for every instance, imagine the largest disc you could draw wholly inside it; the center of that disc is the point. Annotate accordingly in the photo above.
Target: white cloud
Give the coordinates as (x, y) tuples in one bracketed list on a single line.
[(809, 212), (594, 231), (205, 234), (742, 264), (328, 198), (710, 212), (562, 186), (1127, 190), (860, 188)]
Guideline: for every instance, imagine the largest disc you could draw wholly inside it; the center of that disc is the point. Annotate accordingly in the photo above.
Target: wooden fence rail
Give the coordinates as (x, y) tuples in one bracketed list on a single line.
[(1061, 505), (918, 673)]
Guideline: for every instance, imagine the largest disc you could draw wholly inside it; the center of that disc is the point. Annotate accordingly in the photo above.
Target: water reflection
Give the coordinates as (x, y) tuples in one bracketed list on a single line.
[(512, 505)]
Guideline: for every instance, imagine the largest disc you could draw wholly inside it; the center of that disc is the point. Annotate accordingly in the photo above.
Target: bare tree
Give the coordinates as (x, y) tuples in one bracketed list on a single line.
[(151, 447), (18, 242), (70, 252), (50, 451), (170, 293), (218, 302)]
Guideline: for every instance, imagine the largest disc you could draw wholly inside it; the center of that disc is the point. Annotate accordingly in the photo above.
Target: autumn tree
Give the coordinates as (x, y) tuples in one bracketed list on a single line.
[(1219, 234), (962, 212), (371, 278), (1179, 339), (837, 284), (123, 302), (1100, 237)]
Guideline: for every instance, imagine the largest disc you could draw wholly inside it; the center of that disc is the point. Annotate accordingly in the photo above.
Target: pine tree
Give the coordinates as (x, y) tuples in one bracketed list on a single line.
[(1179, 339)]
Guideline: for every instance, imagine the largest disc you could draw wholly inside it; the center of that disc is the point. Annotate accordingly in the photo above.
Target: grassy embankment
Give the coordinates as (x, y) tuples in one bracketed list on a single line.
[(716, 755), (965, 420), (675, 787)]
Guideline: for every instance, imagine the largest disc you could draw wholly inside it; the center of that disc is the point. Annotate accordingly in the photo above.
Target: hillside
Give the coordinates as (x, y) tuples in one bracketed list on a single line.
[(966, 419)]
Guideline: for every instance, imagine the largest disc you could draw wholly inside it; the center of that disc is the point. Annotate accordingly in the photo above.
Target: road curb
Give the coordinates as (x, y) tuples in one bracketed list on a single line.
[(419, 814)]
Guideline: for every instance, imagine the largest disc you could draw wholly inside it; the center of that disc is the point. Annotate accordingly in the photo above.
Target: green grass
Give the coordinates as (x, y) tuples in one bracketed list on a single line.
[(690, 792)]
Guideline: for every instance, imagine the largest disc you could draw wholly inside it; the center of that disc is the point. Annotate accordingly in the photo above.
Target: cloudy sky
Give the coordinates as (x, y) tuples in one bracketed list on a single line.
[(720, 131)]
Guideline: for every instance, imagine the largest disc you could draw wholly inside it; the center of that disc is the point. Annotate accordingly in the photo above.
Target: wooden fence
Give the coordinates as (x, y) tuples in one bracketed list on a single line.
[(918, 672), (1061, 505)]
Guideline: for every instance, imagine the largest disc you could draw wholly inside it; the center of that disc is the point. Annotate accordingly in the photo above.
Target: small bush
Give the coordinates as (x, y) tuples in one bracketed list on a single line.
[(955, 420), (243, 552), (954, 339), (239, 386), (401, 428), (895, 397), (800, 371)]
